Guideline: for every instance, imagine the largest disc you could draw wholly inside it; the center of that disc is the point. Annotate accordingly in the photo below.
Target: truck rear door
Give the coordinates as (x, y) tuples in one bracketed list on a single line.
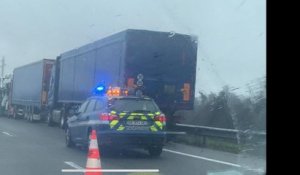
[(167, 65)]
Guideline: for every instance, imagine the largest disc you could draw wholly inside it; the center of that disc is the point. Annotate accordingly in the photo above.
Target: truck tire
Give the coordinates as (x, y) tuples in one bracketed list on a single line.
[(155, 151), (50, 119), (69, 142)]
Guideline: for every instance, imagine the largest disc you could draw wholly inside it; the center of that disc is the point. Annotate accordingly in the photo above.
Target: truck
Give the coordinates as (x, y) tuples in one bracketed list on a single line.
[(161, 65), (29, 90)]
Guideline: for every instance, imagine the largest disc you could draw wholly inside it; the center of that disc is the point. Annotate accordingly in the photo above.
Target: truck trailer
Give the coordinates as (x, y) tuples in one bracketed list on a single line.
[(29, 90), (160, 65)]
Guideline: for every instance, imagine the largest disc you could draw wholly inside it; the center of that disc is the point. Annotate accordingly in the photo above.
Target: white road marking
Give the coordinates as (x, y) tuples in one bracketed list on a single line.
[(6, 133), (74, 165), (203, 158), (112, 170)]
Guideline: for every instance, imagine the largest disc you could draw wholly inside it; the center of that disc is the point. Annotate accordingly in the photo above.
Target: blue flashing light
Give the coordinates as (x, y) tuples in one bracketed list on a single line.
[(100, 90)]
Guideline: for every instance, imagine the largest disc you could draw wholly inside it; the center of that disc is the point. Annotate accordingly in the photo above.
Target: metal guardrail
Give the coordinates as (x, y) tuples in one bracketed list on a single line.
[(233, 135)]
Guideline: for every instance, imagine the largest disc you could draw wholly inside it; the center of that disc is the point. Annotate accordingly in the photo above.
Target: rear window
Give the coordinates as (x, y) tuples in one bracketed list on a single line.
[(133, 105)]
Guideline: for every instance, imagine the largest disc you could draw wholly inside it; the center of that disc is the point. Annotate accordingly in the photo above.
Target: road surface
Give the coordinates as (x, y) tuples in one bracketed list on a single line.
[(35, 149)]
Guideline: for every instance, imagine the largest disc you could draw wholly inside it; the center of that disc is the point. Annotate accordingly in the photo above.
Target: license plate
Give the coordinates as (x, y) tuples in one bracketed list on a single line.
[(135, 128), (137, 123)]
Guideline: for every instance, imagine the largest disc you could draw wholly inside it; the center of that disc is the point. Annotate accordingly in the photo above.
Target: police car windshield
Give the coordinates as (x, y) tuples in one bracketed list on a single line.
[(133, 105)]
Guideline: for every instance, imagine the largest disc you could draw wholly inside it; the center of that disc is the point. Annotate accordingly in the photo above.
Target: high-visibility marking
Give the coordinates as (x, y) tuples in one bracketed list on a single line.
[(186, 91), (121, 128), (6, 133), (74, 165), (130, 117), (203, 158), (159, 124), (152, 128), (113, 123), (111, 170), (113, 112), (144, 118)]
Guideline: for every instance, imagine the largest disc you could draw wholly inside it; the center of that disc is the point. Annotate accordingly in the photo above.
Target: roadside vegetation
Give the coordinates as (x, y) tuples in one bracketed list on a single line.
[(227, 110)]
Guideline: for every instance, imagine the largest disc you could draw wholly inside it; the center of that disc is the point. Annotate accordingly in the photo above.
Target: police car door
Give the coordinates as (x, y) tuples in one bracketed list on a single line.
[(85, 121), (74, 123)]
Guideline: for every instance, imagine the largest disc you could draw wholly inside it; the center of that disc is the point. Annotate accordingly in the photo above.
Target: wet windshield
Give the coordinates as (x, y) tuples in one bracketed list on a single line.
[(201, 62)]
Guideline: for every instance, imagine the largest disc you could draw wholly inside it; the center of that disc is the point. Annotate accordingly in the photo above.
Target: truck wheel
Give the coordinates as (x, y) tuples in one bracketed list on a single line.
[(155, 151), (49, 119), (69, 142), (62, 124)]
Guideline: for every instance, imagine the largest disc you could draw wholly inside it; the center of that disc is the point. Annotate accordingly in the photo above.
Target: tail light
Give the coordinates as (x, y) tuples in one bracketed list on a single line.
[(108, 117), (161, 118)]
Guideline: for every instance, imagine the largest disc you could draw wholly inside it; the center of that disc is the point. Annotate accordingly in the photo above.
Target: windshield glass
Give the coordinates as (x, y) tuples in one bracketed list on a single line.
[(201, 62), (133, 105)]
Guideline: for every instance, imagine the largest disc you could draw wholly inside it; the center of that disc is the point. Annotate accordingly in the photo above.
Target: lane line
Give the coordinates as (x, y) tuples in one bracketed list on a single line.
[(6, 133), (112, 170), (203, 158), (74, 165)]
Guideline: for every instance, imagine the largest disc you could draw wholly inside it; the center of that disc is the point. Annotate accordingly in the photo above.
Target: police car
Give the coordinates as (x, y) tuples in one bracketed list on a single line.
[(119, 121)]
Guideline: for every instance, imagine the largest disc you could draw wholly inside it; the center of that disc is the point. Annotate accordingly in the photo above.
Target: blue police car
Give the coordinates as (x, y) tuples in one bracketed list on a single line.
[(120, 121)]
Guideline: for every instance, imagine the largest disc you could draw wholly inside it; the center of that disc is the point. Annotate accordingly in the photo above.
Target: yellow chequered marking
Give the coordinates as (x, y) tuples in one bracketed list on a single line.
[(136, 113), (144, 118), (130, 117), (113, 123), (159, 124), (152, 128), (113, 112), (121, 128)]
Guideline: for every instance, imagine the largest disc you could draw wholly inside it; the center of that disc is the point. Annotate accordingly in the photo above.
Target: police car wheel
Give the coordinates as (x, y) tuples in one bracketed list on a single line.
[(155, 151), (69, 142)]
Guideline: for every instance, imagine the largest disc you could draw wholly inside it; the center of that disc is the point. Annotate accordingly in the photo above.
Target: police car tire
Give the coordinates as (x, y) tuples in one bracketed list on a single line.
[(69, 142), (155, 151)]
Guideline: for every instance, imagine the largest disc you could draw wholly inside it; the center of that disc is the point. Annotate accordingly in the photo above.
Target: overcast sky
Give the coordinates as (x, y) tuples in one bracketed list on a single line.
[(231, 33)]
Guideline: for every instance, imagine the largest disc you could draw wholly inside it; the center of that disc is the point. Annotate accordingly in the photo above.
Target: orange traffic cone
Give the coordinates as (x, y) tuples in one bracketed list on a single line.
[(93, 161)]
